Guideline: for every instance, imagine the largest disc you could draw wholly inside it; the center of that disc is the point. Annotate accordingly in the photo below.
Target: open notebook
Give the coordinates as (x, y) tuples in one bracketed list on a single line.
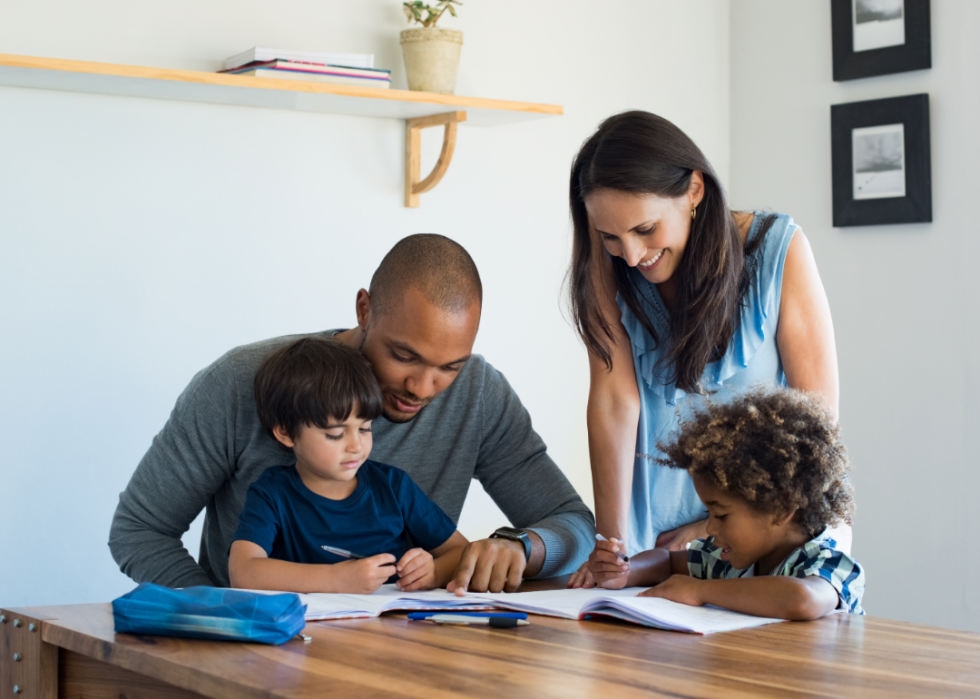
[(568, 604), (624, 604), (322, 606)]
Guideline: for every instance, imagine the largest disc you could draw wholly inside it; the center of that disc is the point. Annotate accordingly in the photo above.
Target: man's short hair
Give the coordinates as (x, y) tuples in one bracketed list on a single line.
[(313, 380), (438, 267)]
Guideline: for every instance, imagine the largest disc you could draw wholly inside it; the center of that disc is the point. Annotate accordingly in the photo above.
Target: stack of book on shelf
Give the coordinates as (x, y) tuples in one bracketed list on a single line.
[(337, 68)]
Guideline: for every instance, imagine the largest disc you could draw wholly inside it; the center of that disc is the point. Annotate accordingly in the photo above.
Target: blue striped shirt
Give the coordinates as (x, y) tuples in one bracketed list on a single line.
[(817, 557)]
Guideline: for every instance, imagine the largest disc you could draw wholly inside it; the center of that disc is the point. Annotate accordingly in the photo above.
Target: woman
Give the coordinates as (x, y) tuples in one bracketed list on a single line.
[(678, 298)]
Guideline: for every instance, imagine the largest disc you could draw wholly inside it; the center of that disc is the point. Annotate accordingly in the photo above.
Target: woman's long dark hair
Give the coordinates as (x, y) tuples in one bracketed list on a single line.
[(643, 153)]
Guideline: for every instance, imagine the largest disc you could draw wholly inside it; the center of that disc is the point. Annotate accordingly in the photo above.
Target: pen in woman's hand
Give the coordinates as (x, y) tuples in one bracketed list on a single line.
[(620, 553)]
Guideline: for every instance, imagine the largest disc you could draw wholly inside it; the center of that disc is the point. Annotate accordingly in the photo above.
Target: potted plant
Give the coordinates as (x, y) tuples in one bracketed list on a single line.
[(431, 54)]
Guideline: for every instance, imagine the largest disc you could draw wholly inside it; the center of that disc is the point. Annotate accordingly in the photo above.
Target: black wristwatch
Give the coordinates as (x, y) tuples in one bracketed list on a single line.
[(515, 535)]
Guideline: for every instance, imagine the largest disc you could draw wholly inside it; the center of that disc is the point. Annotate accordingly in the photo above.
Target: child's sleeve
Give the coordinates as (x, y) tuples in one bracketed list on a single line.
[(259, 521), (704, 561), (837, 568), (427, 524)]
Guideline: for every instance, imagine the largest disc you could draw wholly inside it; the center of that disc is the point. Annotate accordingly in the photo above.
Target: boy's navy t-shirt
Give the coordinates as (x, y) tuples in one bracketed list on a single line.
[(386, 513)]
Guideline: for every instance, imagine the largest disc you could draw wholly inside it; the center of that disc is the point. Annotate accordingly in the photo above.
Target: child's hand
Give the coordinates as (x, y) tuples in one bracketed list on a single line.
[(363, 576), (416, 571), (677, 588), (609, 570)]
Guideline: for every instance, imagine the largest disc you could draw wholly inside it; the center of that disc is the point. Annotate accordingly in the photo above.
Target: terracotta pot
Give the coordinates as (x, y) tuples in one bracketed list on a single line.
[(431, 58)]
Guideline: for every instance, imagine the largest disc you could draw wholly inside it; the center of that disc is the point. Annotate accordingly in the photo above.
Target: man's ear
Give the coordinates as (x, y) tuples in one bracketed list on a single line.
[(280, 433), (363, 308)]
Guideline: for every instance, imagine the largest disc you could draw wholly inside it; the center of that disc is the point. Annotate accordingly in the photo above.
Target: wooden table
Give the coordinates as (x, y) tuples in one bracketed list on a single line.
[(72, 651)]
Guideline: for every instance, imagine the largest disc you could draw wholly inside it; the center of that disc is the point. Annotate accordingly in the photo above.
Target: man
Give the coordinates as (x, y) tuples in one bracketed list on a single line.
[(449, 417)]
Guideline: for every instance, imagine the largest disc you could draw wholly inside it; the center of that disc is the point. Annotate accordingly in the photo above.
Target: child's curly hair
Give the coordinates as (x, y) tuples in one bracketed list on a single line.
[(776, 448)]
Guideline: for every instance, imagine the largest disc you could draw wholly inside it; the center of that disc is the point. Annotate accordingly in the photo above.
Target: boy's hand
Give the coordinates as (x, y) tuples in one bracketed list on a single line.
[(608, 569), (363, 576), (678, 588), (416, 571)]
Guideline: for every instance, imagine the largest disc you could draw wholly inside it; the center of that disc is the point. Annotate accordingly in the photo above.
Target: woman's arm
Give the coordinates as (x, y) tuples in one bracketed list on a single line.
[(805, 337), (612, 416), (779, 597), (250, 567), (805, 331)]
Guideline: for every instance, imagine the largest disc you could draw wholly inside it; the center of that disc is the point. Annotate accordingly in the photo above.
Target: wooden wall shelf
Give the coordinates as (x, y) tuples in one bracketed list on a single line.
[(219, 88)]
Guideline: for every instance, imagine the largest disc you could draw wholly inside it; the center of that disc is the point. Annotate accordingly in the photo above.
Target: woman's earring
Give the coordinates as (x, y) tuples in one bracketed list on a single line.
[(694, 212)]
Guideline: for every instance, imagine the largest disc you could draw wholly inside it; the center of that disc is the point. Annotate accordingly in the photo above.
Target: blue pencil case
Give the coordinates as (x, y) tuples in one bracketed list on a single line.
[(213, 613)]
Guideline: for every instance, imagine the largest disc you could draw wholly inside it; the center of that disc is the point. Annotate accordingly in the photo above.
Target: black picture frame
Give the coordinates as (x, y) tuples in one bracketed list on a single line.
[(912, 112), (914, 54)]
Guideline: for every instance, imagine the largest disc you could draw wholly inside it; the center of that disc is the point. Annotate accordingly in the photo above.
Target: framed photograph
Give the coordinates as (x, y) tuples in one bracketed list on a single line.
[(878, 37), (881, 161)]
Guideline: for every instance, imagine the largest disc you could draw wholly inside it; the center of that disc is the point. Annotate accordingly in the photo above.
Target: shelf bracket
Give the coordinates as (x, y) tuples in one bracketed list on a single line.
[(413, 147)]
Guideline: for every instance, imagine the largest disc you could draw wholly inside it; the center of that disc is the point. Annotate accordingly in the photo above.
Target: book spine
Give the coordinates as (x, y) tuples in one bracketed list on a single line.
[(337, 74), (326, 70)]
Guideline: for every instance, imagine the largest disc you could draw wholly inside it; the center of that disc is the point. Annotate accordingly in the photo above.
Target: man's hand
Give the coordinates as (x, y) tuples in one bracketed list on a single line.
[(492, 565), (362, 577), (416, 571), (678, 539), (677, 588)]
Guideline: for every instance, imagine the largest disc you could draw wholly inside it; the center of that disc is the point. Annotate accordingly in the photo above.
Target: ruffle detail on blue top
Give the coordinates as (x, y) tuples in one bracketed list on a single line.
[(761, 302), (646, 352)]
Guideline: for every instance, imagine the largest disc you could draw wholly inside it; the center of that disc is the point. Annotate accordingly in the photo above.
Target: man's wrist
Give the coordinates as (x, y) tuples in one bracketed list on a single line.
[(518, 536)]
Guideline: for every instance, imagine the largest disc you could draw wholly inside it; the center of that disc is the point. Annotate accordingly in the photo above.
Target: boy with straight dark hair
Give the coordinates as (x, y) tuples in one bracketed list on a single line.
[(334, 521)]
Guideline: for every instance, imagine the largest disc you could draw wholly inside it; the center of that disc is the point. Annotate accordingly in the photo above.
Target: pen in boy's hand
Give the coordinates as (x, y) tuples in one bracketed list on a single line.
[(342, 553), (622, 556)]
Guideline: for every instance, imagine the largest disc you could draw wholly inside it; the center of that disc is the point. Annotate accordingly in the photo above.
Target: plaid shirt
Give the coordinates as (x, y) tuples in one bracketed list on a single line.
[(818, 557)]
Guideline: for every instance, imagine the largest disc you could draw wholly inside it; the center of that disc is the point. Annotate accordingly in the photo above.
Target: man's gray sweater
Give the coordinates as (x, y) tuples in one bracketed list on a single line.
[(213, 448)]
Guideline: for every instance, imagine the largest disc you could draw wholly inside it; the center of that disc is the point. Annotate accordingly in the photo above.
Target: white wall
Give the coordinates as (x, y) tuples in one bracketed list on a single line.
[(141, 239), (903, 297)]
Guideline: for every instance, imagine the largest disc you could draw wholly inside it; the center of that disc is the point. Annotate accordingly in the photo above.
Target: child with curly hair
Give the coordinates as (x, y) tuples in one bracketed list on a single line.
[(772, 473)]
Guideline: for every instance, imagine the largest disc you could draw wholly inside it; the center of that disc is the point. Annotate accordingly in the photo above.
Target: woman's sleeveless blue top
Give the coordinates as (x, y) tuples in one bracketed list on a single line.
[(664, 498)]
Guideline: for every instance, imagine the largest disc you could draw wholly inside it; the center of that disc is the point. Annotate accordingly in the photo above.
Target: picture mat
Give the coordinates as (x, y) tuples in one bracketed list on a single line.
[(878, 23), (912, 111), (879, 161), (912, 53)]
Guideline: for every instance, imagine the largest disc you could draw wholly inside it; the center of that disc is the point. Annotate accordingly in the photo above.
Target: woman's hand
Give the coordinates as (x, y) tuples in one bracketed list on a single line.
[(603, 569), (678, 539), (677, 588), (582, 577), (609, 570)]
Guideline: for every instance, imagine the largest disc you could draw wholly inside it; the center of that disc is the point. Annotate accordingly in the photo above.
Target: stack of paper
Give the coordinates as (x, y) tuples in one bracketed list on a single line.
[(261, 54)]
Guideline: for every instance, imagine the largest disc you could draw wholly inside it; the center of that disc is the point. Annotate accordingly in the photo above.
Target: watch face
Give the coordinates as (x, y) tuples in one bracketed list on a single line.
[(509, 533)]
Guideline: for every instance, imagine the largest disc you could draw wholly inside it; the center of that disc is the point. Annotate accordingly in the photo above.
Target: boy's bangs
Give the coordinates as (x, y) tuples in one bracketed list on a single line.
[(338, 400)]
